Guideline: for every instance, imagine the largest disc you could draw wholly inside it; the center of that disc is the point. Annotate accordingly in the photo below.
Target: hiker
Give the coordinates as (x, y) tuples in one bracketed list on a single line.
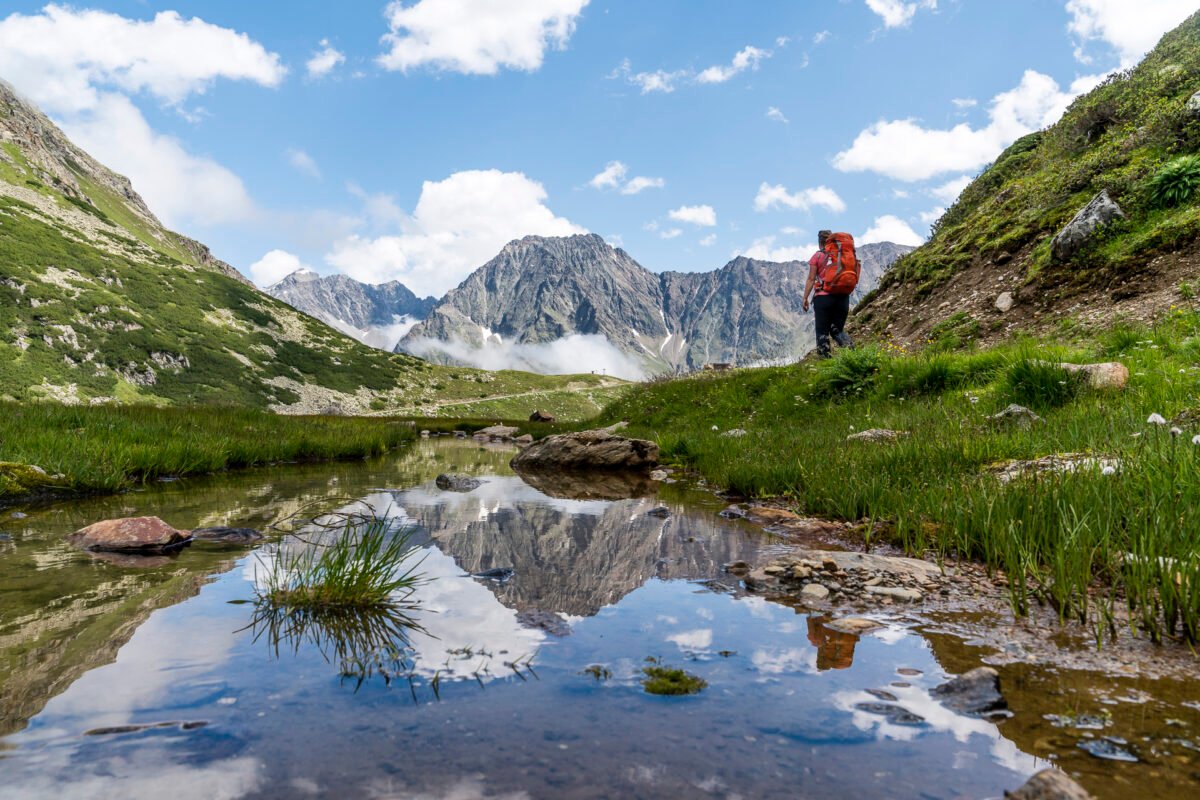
[(833, 272)]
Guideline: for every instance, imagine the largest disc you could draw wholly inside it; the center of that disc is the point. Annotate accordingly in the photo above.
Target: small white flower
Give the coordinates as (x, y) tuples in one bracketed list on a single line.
[(1156, 419), (1176, 431), (715, 427), (1109, 470), (1137, 435), (1196, 439)]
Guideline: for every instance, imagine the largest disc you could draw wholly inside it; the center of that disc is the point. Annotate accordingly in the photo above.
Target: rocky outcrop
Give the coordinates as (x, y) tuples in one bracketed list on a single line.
[(877, 435), (541, 289), (1080, 230), (816, 576), (373, 314), (588, 450), (1049, 784), (131, 534)]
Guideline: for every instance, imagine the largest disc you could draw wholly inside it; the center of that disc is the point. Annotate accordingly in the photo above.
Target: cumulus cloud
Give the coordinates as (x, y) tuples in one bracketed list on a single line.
[(324, 60), (476, 37), (1131, 29), (457, 225), (569, 355), (932, 215), (821, 37), (963, 103), (613, 177), (703, 216), (889, 228), (82, 66), (905, 150), (748, 58), (776, 115), (670, 233), (274, 267), (709, 241), (303, 162), (896, 13), (769, 197), (649, 82), (767, 249), (949, 191)]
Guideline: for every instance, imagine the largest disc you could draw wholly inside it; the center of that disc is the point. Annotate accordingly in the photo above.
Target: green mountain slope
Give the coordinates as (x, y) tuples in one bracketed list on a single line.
[(996, 238), (100, 303)]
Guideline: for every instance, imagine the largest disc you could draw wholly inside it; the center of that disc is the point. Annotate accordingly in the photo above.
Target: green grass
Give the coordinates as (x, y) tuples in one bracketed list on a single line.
[(1063, 539), (671, 681), (110, 448), (364, 565)]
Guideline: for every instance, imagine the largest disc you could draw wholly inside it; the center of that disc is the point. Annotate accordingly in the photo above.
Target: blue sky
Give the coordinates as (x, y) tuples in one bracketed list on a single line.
[(411, 140)]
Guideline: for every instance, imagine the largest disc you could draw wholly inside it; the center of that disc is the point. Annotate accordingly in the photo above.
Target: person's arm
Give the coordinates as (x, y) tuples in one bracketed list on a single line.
[(812, 281)]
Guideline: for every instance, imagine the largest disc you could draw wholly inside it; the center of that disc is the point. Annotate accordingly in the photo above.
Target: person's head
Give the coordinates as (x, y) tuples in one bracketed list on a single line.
[(823, 237)]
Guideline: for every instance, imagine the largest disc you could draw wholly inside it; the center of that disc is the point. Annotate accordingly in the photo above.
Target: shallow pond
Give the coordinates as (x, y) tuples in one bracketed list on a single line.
[(488, 693)]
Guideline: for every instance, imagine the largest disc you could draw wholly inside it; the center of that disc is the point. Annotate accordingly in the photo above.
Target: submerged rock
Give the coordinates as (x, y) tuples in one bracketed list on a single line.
[(1049, 784), (893, 713), (975, 693), (131, 534), (229, 535), (451, 482), (1080, 230), (1109, 748), (588, 450), (662, 512)]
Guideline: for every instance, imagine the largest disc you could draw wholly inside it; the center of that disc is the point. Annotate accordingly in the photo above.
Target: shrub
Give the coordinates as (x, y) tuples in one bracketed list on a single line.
[(850, 371), (1040, 384), (1175, 182)]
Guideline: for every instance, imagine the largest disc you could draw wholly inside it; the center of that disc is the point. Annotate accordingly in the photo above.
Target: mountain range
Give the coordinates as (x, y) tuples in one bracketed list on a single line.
[(539, 291), (100, 303)]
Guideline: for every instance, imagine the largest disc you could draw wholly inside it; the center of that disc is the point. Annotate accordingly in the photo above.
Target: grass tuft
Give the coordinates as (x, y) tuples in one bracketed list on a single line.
[(671, 681)]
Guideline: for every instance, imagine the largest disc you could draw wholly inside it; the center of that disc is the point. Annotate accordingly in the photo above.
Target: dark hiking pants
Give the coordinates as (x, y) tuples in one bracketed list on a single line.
[(830, 311)]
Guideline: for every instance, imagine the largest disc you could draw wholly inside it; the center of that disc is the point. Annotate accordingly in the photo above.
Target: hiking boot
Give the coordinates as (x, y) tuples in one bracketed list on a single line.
[(843, 339)]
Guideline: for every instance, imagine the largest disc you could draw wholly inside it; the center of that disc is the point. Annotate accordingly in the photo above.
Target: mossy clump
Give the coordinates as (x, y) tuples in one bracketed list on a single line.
[(671, 681), (17, 480)]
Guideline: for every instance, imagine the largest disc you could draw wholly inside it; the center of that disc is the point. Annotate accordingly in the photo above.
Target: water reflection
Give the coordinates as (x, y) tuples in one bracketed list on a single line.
[(835, 649)]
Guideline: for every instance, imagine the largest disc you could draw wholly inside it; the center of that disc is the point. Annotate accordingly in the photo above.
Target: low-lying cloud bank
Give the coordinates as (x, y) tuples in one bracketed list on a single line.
[(572, 354)]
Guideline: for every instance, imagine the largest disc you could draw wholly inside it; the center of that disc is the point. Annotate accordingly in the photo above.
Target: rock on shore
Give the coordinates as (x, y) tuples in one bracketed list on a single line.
[(588, 450)]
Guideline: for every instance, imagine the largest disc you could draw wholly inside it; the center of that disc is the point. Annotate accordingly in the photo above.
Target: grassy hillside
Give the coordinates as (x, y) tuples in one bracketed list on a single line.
[(1063, 538), (1120, 137)]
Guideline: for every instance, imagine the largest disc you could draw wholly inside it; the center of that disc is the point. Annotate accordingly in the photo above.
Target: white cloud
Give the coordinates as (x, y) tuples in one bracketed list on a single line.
[(303, 162), (900, 194), (904, 150), (748, 58), (649, 82), (1131, 28), (324, 60), (700, 639), (704, 216), (769, 197), (709, 241), (476, 37), (274, 267), (458, 224), (949, 191), (932, 215), (889, 228), (821, 37), (179, 187), (897, 14), (775, 114), (964, 102), (570, 355), (81, 66), (782, 41), (640, 183), (613, 177), (610, 177), (766, 249), (671, 233)]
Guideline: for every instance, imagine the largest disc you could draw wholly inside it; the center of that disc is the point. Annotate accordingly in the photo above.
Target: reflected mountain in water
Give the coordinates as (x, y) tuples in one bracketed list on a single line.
[(569, 557)]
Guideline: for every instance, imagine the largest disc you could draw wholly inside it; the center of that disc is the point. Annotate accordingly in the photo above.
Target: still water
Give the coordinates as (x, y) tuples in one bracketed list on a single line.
[(130, 678)]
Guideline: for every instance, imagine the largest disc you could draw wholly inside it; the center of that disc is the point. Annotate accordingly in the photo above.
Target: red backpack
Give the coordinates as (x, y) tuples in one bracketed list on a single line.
[(840, 273)]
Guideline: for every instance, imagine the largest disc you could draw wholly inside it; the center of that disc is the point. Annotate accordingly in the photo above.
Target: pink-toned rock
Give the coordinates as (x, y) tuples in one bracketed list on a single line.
[(131, 534), (1049, 784)]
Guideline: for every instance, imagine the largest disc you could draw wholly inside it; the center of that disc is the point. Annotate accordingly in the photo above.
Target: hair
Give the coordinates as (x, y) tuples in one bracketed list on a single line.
[(823, 236)]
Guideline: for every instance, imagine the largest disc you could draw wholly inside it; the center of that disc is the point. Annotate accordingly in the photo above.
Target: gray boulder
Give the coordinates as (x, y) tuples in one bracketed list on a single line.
[(1193, 106), (227, 535), (975, 693), (1020, 416), (456, 483), (1049, 784), (588, 450), (1079, 231)]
